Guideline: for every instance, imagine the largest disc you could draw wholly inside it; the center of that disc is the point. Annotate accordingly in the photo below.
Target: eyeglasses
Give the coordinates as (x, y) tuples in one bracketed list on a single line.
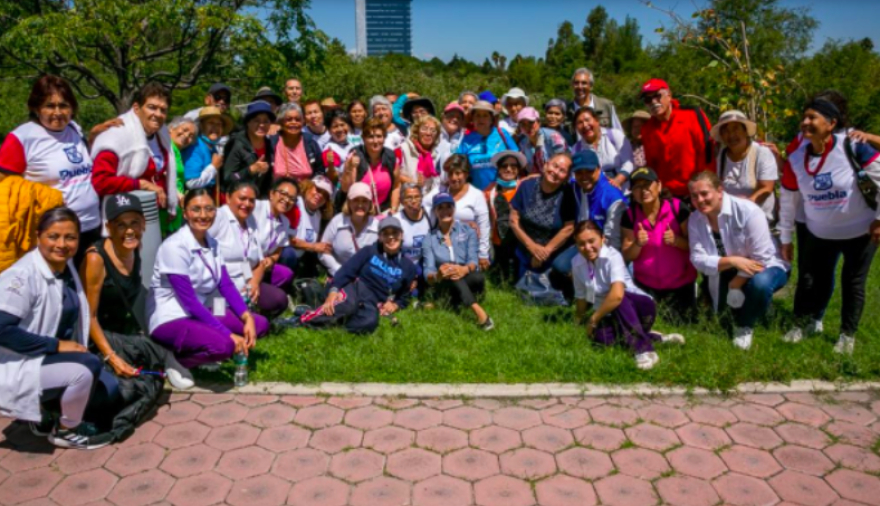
[(285, 196), (428, 130), (209, 210)]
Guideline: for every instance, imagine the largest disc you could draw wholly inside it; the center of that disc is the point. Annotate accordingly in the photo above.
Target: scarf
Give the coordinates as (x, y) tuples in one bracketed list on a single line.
[(507, 185), (426, 166)]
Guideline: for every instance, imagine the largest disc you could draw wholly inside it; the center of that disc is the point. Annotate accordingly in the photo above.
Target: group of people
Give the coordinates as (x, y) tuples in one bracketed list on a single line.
[(395, 202)]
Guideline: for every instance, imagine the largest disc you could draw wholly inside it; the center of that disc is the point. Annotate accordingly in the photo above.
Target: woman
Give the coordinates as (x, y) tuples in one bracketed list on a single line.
[(315, 206), (731, 245), (50, 149), (416, 108), (482, 141), (746, 168), (655, 240), (382, 110), (451, 260), (357, 113), (632, 127), (621, 311), (612, 146), (839, 220), (420, 155), (341, 141), (183, 133), (315, 129), (44, 334), (297, 155), (204, 158), (467, 99), (510, 165), (376, 165), (452, 131), (470, 203), (352, 229), (274, 231), (248, 155), (374, 282), (554, 119), (416, 226), (514, 101), (538, 144), (194, 308)]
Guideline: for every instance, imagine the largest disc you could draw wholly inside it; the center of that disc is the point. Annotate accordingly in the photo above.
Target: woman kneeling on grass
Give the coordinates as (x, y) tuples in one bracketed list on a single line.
[(622, 310)]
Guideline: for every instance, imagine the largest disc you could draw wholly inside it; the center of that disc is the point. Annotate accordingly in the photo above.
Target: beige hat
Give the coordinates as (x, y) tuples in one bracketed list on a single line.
[(733, 116), (210, 111), (643, 115), (482, 105)]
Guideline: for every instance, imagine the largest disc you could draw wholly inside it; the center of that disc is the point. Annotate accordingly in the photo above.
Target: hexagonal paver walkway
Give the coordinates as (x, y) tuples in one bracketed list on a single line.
[(263, 450)]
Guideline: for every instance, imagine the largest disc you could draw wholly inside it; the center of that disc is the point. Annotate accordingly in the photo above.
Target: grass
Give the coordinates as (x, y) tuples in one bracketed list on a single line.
[(543, 345)]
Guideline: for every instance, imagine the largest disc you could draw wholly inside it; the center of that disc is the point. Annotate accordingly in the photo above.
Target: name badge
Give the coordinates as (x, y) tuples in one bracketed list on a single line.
[(219, 306)]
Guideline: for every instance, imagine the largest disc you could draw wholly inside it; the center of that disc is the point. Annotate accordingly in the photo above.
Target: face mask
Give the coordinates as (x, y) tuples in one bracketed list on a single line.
[(507, 185)]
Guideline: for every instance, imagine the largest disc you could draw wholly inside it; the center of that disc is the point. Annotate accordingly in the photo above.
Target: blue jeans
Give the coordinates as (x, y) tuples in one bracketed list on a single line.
[(759, 292)]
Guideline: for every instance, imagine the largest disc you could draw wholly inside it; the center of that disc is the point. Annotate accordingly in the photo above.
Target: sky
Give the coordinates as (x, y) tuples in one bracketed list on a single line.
[(473, 29)]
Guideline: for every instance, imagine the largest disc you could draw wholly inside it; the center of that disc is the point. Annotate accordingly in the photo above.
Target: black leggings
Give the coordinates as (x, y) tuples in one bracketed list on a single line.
[(465, 291)]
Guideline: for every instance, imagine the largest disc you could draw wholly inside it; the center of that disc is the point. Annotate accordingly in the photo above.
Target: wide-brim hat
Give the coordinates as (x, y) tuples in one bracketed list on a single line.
[(627, 123), (517, 93), (733, 116), (212, 111), (482, 105), (501, 155), (256, 108), (420, 101), (266, 93)]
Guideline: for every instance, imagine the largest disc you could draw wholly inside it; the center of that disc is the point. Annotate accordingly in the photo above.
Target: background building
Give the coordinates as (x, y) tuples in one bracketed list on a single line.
[(383, 26)]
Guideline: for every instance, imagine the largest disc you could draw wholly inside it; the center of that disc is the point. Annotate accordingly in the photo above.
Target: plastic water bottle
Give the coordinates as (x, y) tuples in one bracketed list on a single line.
[(241, 369)]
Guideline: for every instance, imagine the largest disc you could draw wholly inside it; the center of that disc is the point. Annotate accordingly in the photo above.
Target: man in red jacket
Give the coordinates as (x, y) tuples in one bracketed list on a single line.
[(676, 139)]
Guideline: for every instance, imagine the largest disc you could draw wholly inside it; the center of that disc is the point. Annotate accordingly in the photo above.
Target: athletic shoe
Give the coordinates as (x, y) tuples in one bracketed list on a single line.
[(797, 334), (84, 437), (44, 427), (742, 338), (815, 327), (288, 323), (647, 360), (178, 376), (488, 324), (671, 338), (845, 345)]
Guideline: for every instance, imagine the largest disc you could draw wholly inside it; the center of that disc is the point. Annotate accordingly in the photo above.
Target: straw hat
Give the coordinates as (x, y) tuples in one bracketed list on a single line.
[(642, 115), (733, 116), (212, 111)]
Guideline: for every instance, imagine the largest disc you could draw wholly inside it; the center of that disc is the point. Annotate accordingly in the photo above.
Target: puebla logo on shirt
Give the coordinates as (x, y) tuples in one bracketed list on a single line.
[(73, 154), (823, 182)]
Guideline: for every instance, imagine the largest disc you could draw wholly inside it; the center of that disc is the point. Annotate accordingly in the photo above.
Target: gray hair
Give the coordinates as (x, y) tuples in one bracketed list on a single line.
[(466, 93), (286, 108), (411, 186), (180, 120), (583, 70), (378, 100)]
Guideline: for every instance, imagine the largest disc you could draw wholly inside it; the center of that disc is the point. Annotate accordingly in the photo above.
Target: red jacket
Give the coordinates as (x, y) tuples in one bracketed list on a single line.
[(106, 181), (676, 148)]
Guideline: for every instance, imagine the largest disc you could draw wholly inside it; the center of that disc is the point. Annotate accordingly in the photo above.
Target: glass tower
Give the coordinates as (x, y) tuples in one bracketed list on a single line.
[(383, 26)]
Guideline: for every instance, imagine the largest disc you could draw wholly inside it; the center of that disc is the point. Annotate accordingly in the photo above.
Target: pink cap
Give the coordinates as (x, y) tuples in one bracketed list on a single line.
[(528, 114), (322, 183), (453, 106), (359, 189)]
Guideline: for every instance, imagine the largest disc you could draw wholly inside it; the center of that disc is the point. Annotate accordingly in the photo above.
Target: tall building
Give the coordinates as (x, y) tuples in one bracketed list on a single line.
[(383, 26)]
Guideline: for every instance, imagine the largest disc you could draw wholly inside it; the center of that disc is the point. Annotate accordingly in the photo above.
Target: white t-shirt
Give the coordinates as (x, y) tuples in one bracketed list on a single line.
[(736, 179), (239, 247), (322, 139), (57, 159), (309, 225), (340, 234), (471, 208), (272, 232), (594, 279), (414, 235), (394, 139)]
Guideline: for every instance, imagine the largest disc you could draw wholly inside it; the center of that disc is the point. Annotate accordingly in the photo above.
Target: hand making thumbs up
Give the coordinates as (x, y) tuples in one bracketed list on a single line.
[(642, 236), (669, 236)]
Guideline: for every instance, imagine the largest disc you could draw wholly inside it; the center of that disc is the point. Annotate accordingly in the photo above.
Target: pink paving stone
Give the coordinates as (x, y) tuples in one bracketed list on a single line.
[(802, 489), (674, 401), (222, 414), (490, 404), (442, 491), (178, 397), (754, 436), (45, 501), (318, 417), (591, 402), (419, 418), (569, 419), (528, 464), (233, 436), (855, 486), (357, 465), (652, 437), (211, 399), (369, 418), (516, 418), (31, 458), (538, 403), (471, 464), (805, 460), (141, 489), (271, 415), (739, 490), (703, 436), (300, 401), (381, 492), (442, 404), (191, 460), (640, 463), (803, 435), (803, 398), (711, 415), (802, 413), (565, 491), (495, 439), (301, 464), (599, 437), (201, 490), (686, 491), (144, 433), (850, 413), (853, 457), (663, 415), (622, 490), (744, 460), (765, 399), (284, 438), (467, 418), (696, 462), (265, 490), (853, 396), (389, 439), (84, 488), (875, 407), (319, 491), (245, 462), (26, 485), (335, 439), (503, 491), (184, 434), (442, 439), (177, 412), (612, 415), (395, 403), (549, 439), (757, 414), (77, 462), (252, 400), (413, 464), (584, 463), (852, 433), (136, 459), (349, 402), (4, 474), (629, 401)]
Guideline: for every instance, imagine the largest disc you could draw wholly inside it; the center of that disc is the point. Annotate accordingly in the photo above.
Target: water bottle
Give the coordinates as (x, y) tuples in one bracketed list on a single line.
[(241, 369)]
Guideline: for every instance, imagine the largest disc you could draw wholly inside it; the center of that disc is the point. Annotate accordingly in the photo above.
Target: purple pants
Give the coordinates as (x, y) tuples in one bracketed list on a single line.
[(631, 322), (195, 343), (273, 290)]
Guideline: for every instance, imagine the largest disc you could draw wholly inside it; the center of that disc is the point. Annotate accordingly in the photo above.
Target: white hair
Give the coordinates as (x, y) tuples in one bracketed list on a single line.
[(583, 70)]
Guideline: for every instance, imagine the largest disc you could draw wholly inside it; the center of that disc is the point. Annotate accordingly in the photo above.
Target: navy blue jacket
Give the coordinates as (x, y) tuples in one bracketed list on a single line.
[(385, 276)]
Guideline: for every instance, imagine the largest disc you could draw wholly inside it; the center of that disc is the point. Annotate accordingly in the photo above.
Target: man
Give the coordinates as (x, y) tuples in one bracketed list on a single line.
[(676, 139), (598, 199), (219, 95), (293, 90), (582, 85)]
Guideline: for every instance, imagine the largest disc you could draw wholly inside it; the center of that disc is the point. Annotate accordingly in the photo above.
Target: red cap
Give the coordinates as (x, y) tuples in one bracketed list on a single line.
[(654, 85)]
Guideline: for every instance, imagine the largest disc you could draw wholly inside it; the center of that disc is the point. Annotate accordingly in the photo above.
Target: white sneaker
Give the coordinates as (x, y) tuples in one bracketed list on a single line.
[(815, 327), (797, 334), (178, 375), (845, 345), (742, 338), (647, 360), (671, 338)]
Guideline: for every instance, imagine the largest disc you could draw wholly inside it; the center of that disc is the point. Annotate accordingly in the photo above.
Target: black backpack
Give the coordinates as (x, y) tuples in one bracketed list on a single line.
[(707, 139), (866, 185)]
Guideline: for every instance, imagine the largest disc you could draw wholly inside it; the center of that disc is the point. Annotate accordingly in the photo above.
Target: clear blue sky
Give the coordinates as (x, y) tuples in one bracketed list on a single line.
[(475, 28)]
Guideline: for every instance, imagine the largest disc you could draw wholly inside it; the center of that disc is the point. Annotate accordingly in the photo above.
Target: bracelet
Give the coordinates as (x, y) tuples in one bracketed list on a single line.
[(108, 358)]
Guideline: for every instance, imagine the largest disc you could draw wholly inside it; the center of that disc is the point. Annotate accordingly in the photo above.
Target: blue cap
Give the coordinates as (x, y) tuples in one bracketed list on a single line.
[(258, 107), (442, 198), (585, 160), (488, 96)]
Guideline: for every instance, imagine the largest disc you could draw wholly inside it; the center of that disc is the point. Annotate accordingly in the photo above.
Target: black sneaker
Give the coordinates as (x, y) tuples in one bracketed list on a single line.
[(84, 437), (44, 427), (487, 325)]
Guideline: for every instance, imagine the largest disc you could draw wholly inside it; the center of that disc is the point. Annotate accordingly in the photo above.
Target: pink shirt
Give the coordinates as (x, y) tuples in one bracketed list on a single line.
[(381, 178), (292, 163), (660, 267)]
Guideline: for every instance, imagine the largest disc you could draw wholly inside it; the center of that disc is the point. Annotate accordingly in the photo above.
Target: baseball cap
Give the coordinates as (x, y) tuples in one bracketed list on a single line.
[(453, 106), (488, 96), (644, 174), (528, 114), (217, 88), (654, 85), (389, 222), (322, 183), (585, 160), (122, 203), (442, 198), (359, 189)]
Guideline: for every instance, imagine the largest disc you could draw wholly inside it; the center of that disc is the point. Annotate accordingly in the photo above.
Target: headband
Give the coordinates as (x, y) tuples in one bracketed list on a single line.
[(825, 108)]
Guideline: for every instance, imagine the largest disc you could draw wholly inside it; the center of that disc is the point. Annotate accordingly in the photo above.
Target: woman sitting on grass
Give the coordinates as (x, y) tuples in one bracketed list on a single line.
[(622, 312)]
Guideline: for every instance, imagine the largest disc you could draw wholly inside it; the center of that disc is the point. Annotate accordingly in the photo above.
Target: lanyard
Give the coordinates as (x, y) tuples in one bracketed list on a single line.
[(828, 147), (275, 233), (245, 237), (214, 275)]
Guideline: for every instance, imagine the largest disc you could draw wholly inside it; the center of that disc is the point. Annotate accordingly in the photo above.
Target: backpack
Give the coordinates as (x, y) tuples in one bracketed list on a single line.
[(707, 139), (310, 292), (866, 185)]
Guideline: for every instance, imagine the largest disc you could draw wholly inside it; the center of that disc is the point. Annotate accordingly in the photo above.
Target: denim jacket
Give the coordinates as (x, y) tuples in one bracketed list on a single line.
[(464, 248)]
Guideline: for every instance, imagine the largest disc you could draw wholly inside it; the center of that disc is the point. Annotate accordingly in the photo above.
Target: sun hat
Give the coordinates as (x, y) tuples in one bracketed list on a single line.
[(733, 116), (482, 105), (585, 160), (420, 101), (514, 93), (265, 93), (528, 114), (212, 111), (329, 103), (256, 108), (643, 115), (501, 155), (358, 190)]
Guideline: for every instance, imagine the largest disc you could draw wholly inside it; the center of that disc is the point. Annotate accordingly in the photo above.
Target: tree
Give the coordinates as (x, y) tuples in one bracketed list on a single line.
[(594, 35)]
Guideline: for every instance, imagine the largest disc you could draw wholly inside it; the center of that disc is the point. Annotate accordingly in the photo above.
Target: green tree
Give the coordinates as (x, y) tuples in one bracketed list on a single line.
[(594, 34)]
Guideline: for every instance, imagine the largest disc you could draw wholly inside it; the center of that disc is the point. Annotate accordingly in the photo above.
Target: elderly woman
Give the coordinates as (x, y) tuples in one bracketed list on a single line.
[(420, 155), (341, 141), (467, 99), (203, 159), (183, 132), (821, 177), (248, 155), (297, 155), (352, 229), (375, 164), (481, 143), (453, 129), (746, 168), (612, 146), (470, 208), (315, 129), (417, 108), (731, 245), (451, 263), (513, 102), (538, 144), (382, 110), (315, 206), (357, 114), (554, 119), (510, 165), (632, 126)]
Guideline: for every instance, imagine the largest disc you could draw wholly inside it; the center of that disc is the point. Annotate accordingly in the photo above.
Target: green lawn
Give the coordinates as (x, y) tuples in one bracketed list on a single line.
[(543, 345)]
